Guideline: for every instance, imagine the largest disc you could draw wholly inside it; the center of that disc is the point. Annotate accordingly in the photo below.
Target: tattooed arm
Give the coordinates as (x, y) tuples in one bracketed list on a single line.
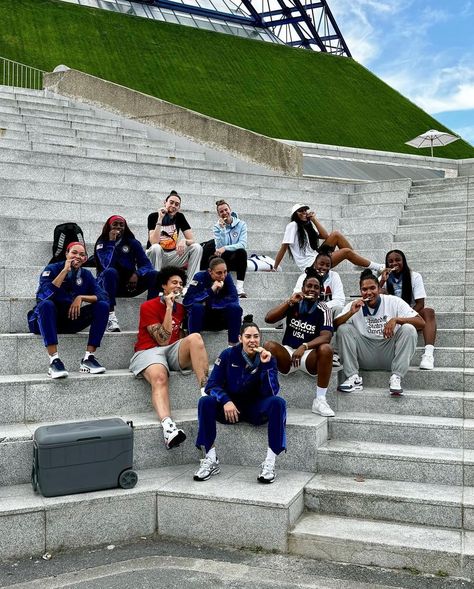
[(161, 332)]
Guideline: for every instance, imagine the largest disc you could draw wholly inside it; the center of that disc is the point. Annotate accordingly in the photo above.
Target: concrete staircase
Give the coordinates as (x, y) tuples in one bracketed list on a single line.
[(385, 482)]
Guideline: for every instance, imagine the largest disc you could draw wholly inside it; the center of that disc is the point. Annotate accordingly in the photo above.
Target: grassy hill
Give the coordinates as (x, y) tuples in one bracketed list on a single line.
[(272, 89)]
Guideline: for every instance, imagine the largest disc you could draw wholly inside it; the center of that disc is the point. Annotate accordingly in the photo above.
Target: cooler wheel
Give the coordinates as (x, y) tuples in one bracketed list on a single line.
[(128, 479)]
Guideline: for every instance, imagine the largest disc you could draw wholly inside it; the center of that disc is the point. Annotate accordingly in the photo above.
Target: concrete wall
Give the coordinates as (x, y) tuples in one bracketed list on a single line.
[(250, 146), (466, 167)]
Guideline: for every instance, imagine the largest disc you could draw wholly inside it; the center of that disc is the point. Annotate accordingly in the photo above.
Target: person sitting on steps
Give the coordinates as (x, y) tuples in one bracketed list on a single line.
[(161, 347), (332, 291), (306, 341), (123, 270), (376, 332), (243, 386), (229, 243), (302, 237), (164, 247), (402, 282), (212, 302), (68, 300)]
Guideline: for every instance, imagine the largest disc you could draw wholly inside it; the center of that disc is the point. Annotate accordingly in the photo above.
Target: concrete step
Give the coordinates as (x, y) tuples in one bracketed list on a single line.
[(216, 182), (390, 545), (121, 152), (36, 397), (305, 433), (107, 165), (31, 524), (445, 506), (444, 432), (444, 379), (434, 403), (402, 462)]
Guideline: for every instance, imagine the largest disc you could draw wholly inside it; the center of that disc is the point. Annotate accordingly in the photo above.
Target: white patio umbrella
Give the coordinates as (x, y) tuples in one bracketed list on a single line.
[(432, 138)]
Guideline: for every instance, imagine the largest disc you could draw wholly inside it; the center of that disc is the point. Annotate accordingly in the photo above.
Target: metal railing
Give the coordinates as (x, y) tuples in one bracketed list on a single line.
[(19, 75)]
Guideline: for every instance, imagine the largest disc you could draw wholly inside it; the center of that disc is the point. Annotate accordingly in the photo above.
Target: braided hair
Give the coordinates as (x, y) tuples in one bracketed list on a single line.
[(407, 292)]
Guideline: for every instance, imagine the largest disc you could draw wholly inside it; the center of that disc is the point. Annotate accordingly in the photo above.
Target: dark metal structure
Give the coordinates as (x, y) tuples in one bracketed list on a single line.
[(300, 23)]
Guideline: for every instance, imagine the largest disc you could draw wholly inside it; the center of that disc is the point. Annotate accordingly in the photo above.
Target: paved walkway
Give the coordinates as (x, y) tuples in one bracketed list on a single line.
[(159, 564)]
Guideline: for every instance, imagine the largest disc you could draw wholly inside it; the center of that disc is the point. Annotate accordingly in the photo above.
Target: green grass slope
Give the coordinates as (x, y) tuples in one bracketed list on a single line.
[(272, 89)]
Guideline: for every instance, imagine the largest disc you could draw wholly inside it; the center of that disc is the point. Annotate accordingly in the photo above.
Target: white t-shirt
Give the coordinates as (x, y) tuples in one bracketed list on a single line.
[(371, 324), (333, 289), (417, 287), (303, 258)]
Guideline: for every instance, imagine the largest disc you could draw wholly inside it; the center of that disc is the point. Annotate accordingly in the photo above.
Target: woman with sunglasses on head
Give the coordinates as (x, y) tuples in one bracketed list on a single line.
[(302, 241), (123, 269), (397, 279), (69, 299)]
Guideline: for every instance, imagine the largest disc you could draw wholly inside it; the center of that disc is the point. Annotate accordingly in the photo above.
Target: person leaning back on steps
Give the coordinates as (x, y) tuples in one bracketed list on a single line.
[(164, 248)]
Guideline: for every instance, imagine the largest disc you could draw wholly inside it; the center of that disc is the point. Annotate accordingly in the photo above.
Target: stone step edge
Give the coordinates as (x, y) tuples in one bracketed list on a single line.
[(145, 477), (12, 433), (398, 491), (401, 452), (411, 538)]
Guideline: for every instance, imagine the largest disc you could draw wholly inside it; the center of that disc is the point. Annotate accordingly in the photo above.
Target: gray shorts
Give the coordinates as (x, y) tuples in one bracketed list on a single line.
[(167, 356)]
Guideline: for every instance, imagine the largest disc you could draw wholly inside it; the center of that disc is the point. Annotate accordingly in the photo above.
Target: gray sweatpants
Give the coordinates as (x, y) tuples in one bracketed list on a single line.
[(357, 351), (192, 257)]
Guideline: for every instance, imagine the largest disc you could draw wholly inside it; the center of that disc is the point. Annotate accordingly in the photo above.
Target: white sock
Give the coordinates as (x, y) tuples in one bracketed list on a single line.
[(270, 456), (240, 286), (111, 314), (321, 392), (87, 354), (375, 266), (53, 357), (167, 421), (212, 454), (429, 350)]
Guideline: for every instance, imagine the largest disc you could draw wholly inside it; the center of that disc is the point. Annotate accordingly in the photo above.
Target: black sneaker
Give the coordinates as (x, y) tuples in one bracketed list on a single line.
[(57, 370), (91, 365)]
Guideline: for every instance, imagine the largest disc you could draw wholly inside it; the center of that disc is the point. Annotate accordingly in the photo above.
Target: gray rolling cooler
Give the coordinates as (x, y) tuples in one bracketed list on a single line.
[(83, 456)]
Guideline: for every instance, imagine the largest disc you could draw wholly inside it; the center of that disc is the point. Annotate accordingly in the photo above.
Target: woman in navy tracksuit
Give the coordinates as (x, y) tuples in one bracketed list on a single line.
[(212, 301), (243, 386), (63, 289), (123, 269)]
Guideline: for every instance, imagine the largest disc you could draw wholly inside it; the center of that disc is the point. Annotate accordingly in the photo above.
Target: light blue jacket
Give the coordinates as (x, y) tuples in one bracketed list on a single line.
[(232, 237)]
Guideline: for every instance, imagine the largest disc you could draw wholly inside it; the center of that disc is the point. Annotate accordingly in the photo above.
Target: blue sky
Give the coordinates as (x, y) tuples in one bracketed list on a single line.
[(423, 49)]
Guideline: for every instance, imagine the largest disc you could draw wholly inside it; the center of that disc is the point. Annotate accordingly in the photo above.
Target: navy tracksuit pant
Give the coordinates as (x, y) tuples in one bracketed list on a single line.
[(52, 319), (257, 412), (202, 317), (115, 285)]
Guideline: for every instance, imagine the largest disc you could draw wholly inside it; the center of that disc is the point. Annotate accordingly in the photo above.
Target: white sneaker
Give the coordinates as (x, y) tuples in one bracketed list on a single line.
[(353, 383), (173, 436), (207, 469), (267, 473), (427, 362), (112, 323), (396, 386), (336, 361), (321, 407)]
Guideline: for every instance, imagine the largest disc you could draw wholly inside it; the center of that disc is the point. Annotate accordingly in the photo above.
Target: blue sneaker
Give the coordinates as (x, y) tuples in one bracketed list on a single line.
[(57, 370), (91, 365)]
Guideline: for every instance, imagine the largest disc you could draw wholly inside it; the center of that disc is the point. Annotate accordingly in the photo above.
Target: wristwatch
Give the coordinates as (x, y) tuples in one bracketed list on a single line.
[(305, 345)]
